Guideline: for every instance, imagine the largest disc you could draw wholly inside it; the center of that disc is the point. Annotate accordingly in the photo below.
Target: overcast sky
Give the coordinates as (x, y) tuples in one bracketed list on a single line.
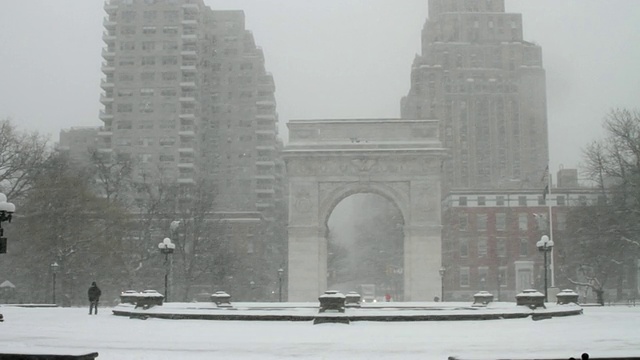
[(330, 59)]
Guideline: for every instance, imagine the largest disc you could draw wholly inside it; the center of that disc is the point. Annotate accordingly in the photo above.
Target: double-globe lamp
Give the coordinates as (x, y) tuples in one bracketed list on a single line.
[(6, 211)]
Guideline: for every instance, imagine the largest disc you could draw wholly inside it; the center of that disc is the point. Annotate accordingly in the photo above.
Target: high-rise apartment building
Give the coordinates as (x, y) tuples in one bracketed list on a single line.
[(186, 95), (486, 85)]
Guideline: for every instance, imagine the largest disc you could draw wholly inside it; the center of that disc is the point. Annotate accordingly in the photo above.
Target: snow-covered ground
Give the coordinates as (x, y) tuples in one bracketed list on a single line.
[(607, 331)]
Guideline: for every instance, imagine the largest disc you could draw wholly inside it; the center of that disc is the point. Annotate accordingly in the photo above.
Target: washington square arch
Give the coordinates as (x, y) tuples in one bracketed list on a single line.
[(329, 160)]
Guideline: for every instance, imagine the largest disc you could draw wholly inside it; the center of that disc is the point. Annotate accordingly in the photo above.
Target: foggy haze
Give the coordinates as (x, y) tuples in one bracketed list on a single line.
[(330, 59)]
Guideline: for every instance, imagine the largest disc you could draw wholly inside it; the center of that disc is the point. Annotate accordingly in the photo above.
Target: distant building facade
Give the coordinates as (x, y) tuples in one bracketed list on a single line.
[(490, 236), (186, 94), (486, 86), (78, 141)]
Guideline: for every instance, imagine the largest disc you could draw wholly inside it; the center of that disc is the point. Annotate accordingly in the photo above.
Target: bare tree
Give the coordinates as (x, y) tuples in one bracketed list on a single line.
[(62, 220), (22, 156), (605, 234)]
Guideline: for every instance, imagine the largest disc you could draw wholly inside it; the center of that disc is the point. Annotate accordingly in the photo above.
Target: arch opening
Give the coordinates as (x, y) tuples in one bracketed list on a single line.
[(365, 247)]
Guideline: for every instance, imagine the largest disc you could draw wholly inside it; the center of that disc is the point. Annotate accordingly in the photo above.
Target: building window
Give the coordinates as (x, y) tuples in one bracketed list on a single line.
[(148, 60), (128, 16), (125, 108), (523, 221), (464, 277), (168, 92), (123, 142), (171, 15), (582, 200), (502, 276), (483, 277), (147, 76), (482, 201), (250, 247), (125, 77), (462, 201), (561, 218), (146, 92), (560, 199), (464, 247), (148, 30), (128, 46), (542, 200), (542, 221), (524, 247), (148, 45), (150, 15), (463, 221), (125, 125), (501, 221), (169, 60), (127, 62), (501, 247), (167, 124), (170, 45), (169, 76), (500, 200), (481, 222), (522, 201), (128, 30), (146, 107), (170, 30), (482, 246), (145, 158)]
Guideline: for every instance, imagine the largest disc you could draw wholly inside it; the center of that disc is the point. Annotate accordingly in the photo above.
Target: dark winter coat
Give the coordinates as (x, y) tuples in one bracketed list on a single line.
[(94, 292)]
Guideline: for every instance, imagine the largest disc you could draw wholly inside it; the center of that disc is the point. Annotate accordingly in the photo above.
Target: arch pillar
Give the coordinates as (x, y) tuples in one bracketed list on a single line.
[(422, 260), (307, 262)]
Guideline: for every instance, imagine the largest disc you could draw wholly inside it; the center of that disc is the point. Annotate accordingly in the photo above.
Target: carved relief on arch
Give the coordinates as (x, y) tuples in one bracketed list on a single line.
[(300, 167), (331, 193), (303, 203)]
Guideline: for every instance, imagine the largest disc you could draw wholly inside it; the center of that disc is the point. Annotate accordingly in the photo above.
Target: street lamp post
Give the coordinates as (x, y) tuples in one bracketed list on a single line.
[(252, 284), (6, 211), (545, 246), (280, 273), (54, 271), (166, 247), (442, 271)]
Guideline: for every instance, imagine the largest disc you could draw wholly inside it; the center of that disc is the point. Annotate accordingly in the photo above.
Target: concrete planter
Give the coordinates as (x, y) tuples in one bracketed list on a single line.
[(567, 296), (482, 298), (221, 299), (149, 298), (332, 300), (352, 299), (129, 297), (530, 298)]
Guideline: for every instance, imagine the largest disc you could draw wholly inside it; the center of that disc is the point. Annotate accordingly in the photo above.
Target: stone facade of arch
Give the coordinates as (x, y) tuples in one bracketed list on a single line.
[(329, 160)]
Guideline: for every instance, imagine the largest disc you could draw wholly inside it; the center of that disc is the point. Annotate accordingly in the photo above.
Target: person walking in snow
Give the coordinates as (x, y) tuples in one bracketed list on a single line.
[(94, 296)]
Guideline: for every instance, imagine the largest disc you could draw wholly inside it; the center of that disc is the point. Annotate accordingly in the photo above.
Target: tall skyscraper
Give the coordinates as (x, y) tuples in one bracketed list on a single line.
[(186, 94), (486, 85)]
